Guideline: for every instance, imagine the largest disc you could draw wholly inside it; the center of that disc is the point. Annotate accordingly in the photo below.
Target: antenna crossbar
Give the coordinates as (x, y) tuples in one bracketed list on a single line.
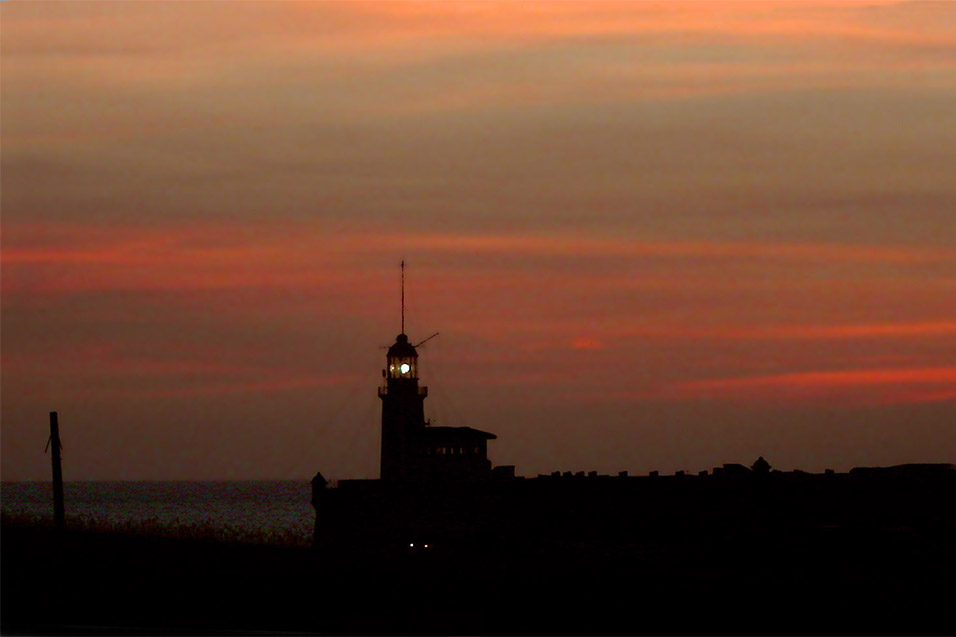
[(427, 339)]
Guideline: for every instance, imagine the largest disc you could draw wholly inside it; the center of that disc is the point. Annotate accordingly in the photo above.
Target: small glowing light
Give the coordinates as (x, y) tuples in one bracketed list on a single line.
[(426, 546), (412, 545), (405, 367)]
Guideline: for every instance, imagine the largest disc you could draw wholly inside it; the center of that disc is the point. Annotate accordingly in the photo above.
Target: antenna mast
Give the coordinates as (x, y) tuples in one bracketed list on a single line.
[(403, 296)]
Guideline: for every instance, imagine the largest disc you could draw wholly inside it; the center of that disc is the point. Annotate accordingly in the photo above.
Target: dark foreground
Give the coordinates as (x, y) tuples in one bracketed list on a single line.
[(830, 581)]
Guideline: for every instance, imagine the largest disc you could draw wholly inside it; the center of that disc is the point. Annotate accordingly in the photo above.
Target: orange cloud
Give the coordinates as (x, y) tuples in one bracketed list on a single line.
[(526, 245), (225, 387), (74, 258), (801, 332), (390, 22), (874, 386), (161, 246), (584, 342), (837, 378)]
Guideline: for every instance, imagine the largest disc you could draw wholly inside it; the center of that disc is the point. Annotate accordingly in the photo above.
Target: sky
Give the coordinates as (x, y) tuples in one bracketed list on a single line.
[(651, 235)]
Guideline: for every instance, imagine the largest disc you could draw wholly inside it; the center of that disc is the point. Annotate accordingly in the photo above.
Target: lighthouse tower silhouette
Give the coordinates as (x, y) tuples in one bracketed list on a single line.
[(403, 408), (411, 449)]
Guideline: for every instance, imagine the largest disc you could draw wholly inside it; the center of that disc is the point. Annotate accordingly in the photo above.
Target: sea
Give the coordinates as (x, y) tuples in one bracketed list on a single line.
[(275, 512)]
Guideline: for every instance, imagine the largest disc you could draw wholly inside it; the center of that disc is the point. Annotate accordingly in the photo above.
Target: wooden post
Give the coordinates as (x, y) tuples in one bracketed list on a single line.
[(54, 442)]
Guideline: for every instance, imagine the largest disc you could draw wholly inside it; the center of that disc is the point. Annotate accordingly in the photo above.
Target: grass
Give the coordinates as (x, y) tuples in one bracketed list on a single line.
[(170, 529)]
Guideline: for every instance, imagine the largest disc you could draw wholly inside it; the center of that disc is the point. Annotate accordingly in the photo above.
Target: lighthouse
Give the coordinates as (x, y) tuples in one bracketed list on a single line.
[(412, 450)]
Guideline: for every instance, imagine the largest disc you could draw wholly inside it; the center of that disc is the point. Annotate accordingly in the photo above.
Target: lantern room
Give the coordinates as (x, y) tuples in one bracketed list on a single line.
[(402, 360)]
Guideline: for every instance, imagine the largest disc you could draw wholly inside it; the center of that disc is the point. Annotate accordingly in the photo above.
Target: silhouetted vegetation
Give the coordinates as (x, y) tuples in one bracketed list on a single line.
[(174, 529)]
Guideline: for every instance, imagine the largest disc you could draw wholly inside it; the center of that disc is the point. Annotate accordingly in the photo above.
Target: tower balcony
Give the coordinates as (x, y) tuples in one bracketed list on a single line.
[(422, 391)]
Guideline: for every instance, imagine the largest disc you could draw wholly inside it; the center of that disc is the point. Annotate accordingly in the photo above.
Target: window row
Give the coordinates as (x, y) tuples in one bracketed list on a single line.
[(460, 451)]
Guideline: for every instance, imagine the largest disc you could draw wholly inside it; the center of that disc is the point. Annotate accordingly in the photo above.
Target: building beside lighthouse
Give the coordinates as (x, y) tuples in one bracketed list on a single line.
[(413, 451)]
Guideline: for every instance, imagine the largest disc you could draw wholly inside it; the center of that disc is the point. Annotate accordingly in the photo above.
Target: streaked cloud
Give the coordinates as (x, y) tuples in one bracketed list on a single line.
[(850, 387), (584, 342), (803, 332)]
